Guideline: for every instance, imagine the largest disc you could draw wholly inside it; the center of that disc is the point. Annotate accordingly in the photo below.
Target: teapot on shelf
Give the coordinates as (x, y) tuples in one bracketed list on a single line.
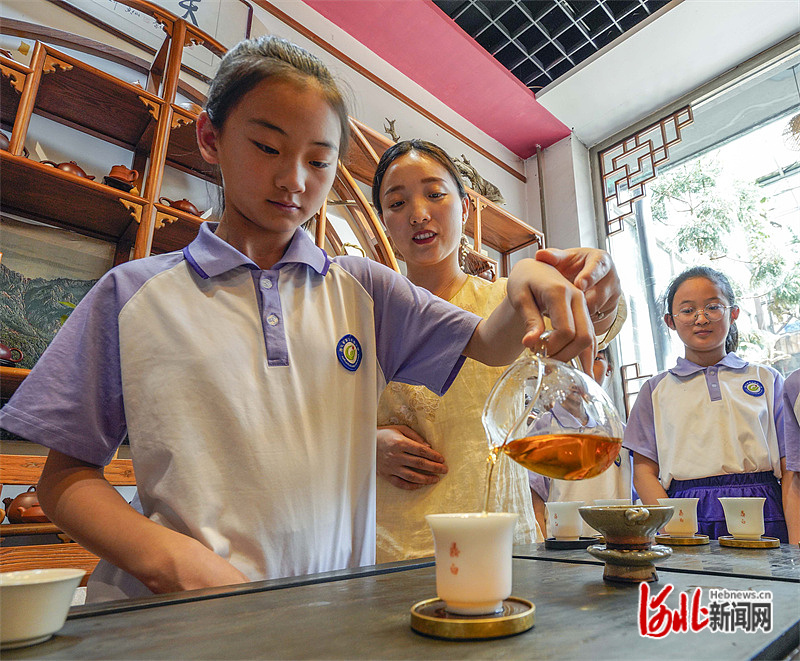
[(183, 205), (123, 173), (25, 508), (7, 354), (121, 177), (70, 167)]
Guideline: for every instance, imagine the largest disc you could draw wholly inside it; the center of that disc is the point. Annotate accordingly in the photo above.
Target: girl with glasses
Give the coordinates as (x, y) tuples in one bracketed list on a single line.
[(712, 425)]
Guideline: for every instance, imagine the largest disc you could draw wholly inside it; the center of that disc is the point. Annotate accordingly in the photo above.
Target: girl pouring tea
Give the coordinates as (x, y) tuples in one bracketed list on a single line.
[(241, 473)]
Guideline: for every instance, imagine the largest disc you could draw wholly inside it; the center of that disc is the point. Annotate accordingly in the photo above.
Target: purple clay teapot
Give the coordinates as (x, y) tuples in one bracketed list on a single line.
[(122, 173), (25, 508), (183, 205), (7, 353), (71, 167)]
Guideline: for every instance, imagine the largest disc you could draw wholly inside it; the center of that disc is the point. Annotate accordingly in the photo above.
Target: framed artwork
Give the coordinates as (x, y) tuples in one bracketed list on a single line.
[(228, 21), (44, 273)]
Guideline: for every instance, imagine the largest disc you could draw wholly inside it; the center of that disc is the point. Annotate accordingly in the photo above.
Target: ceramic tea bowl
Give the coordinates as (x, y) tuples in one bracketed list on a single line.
[(35, 604), (627, 526)]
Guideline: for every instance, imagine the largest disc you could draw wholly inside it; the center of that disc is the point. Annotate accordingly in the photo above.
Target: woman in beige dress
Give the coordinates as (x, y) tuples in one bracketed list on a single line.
[(432, 452)]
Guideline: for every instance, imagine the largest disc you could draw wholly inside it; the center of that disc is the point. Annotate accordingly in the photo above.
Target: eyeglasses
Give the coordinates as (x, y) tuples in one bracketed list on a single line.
[(712, 312)]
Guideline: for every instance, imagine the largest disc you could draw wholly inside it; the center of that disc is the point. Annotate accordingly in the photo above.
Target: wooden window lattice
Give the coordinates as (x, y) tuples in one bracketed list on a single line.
[(628, 165), (630, 374)]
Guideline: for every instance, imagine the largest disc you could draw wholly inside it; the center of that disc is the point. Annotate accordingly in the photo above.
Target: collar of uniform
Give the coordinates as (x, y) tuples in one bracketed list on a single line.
[(210, 256), (686, 367)]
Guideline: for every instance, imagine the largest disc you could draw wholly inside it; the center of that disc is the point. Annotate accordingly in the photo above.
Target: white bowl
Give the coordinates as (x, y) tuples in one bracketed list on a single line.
[(34, 604)]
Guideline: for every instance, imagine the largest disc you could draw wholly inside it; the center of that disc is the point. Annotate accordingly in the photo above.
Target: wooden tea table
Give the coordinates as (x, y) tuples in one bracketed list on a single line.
[(364, 614)]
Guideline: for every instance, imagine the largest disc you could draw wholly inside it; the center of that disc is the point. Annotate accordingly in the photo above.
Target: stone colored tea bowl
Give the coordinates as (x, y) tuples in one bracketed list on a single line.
[(627, 526)]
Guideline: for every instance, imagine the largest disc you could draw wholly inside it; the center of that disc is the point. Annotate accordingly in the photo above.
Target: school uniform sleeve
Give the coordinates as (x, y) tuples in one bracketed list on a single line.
[(640, 432), (540, 484), (419, 337), (791, 421), (778, 410), (72, 399)]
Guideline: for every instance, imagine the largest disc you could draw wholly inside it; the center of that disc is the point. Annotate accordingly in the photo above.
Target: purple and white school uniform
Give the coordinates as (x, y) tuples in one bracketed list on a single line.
[(714, 431), (791, 420), (249, 396)]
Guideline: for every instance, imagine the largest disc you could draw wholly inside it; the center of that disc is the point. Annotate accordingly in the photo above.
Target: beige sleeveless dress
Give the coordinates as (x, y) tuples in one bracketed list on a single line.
[(452, 425)]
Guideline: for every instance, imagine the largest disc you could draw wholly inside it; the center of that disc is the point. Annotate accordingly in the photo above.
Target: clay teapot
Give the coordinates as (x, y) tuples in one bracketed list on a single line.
[(7, 353), (25, 508), (183, 205), (71, 167), (123, 174)]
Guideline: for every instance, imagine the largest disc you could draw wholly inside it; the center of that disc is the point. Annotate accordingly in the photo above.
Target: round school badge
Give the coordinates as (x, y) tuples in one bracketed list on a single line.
[(753, 388), (348, 351)]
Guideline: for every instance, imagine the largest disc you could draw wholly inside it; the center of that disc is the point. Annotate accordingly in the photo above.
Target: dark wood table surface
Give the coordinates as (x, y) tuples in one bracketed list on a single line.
[(364, 614)]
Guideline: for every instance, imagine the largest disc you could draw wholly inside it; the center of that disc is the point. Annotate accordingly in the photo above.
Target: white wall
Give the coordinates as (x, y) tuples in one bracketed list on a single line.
[(569, 206)]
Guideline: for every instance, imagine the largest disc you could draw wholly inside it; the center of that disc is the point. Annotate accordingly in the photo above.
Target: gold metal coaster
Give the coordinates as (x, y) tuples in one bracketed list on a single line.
[(696, 540), (430, 618), (763, 543)]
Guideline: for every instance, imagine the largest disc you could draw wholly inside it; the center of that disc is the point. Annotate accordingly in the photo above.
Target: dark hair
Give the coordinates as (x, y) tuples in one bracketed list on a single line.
[(719, 279), (254, 60), (400, 149), (607, 355)]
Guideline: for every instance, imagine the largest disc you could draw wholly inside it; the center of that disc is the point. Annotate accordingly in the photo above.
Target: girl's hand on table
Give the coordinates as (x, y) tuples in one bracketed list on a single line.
[(593, 272), (406, 459)]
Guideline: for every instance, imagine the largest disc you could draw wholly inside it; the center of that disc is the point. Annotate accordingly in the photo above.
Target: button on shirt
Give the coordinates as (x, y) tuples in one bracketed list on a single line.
[(247, 431), (699, 421)]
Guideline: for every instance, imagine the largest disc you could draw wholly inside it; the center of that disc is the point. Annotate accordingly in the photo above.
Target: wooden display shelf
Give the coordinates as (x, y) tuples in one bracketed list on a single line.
[(90, 100), (12, 79), (10, 378), (182, 151), (49, 195), (19, 529), (47, 556), (499, 229), (174, 229)]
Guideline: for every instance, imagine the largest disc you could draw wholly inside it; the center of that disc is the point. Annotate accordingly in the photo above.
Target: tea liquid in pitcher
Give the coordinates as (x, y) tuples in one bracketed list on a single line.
[(552, 419), (565, 456)]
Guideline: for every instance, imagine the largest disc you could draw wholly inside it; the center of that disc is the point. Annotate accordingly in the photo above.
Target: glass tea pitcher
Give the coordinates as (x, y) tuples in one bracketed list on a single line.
[(553, 419)]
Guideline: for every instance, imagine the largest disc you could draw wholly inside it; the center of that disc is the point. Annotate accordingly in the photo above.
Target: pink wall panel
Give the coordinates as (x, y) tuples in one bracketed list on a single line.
[(425, 44)]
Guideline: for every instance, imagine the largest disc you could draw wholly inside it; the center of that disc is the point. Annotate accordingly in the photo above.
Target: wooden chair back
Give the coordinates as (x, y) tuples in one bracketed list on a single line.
[(23, 469)]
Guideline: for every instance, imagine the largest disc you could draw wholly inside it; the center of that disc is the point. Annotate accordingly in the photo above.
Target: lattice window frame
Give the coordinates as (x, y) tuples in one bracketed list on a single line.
[(628, 165)]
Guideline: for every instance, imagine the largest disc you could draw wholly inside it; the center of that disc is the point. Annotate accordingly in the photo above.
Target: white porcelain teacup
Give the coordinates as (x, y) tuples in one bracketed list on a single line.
[(473, 560), (563, 520), (684, 521), (744, 517)]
